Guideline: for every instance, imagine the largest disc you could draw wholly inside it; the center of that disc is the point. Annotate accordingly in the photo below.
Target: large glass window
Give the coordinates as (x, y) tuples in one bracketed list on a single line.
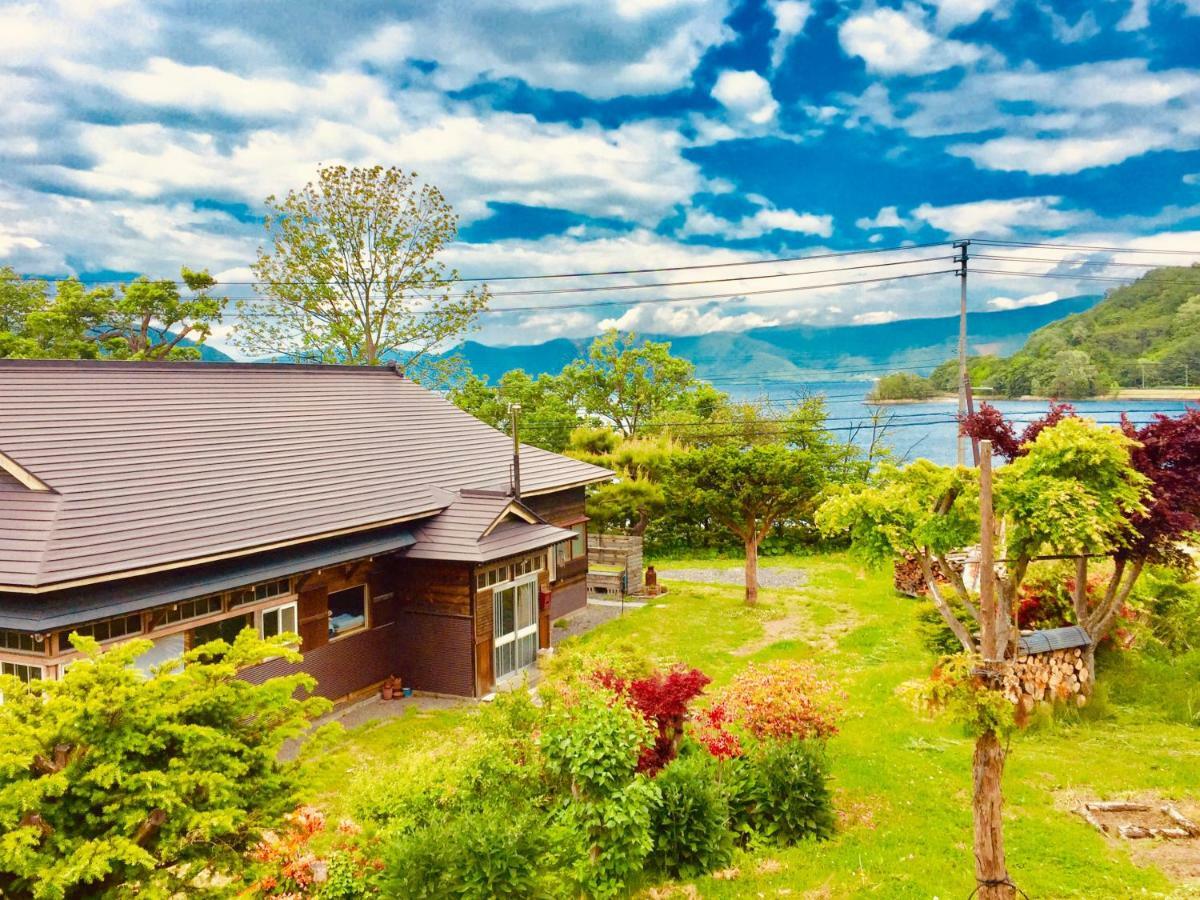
[(347, 610), (192, 609), (279, 620), (20, 641), (165, 649), (104, 630), (20, 670), (514, 627), (224, 629)]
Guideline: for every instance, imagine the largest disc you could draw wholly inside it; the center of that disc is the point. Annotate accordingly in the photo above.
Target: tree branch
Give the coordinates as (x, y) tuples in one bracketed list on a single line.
[(959, 629)]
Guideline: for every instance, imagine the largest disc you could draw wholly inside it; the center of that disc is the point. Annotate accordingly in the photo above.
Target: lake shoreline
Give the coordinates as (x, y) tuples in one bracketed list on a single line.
[(1183, 394)]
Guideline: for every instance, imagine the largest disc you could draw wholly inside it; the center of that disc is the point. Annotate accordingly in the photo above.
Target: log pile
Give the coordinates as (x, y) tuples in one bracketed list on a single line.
[(909, 580), (1058, 676)]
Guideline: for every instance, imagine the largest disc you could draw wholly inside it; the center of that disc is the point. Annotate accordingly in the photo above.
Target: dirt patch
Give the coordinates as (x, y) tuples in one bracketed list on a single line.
[(581, 621), (1155, 831), (768, 577)]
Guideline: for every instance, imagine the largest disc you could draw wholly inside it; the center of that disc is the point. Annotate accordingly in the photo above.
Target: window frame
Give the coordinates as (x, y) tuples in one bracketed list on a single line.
[(4, 664), (293, 605), (366, 622)]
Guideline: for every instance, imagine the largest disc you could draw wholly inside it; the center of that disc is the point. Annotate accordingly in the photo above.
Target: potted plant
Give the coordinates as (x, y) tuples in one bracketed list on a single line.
[(390, 687)]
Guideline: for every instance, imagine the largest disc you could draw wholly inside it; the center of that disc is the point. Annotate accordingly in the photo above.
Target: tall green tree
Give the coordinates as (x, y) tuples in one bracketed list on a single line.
[(354, 275), (1075, 492), (748, 476), (142, 320), (637, 495), (113, 784), (628, 384), (547, 416)]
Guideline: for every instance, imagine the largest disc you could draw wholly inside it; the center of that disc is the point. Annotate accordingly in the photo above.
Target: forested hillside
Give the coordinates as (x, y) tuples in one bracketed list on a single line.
[(1146, 333)]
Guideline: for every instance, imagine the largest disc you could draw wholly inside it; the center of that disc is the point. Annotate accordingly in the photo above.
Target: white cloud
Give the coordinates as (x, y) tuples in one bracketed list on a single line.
[(1192, 178), (1020, 302), (747, 95), (998, 218), (1061, 156), (599, 49), (876, 317), (1085, 26), (763, 221), (1137, 18), (790, 18), (953, 13), (685, 319), (892, 42), (887, 217), (1084, 116)]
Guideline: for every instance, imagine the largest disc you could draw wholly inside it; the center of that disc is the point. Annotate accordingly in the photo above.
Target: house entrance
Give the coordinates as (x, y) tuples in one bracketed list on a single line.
[(515, 626)]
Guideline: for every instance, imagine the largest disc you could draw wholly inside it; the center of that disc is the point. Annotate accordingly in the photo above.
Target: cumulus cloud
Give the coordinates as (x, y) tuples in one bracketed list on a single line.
[(762, 221), (746, 95), (685, 319), (953, 13), (895, 42), (1052, 122), (1020, 302), (887, 217), (790, 18), (999, 218)]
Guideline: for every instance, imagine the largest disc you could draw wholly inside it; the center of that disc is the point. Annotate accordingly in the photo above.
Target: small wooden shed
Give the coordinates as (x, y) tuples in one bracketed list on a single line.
[(614, 566)]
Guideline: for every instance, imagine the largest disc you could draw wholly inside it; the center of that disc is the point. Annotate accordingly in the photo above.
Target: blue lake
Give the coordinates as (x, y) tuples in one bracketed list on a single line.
[(929, 430)]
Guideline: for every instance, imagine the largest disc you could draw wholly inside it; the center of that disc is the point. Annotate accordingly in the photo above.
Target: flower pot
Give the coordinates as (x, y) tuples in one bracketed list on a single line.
[(388, 692), (408, 692)]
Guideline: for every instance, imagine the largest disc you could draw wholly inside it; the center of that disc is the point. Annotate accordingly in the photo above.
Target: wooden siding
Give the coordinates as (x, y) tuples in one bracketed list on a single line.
[(343, 666), (559, 507)]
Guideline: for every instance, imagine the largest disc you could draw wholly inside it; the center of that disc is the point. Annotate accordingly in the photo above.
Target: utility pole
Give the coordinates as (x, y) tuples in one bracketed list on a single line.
[(515, 410), (963, 377)]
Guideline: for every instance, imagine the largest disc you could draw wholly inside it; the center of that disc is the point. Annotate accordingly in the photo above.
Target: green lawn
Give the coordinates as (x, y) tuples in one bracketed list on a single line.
[(902, 782)]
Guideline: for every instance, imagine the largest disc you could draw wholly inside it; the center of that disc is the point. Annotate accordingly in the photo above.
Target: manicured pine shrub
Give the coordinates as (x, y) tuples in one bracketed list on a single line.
[(690, 821)]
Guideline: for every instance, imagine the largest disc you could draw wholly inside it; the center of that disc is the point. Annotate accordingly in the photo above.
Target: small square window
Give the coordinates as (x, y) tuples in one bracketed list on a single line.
[(279, 620), (347, 610)]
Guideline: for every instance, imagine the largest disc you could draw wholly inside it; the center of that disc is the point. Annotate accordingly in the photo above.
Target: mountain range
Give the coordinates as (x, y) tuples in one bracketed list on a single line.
[(805, 353)]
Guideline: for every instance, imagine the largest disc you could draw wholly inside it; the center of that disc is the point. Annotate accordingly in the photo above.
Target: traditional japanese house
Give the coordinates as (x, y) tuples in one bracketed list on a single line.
[(181, 502)]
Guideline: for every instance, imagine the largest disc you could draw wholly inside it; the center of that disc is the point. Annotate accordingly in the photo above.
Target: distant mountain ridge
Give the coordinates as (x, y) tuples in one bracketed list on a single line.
[(805, 353)]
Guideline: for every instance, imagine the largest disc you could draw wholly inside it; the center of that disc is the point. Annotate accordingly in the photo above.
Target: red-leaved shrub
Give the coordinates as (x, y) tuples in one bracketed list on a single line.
[(663, 698)]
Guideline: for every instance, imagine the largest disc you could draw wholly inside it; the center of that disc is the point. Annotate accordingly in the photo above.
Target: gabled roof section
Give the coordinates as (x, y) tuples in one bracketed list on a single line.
[(479, 527), (11, 470), (158, 465)]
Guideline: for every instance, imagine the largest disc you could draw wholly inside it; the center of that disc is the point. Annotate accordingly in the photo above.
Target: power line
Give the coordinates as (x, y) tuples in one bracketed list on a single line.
[(597, 274), (1072, 262), (1049, 244), (1108, 278), (645, 300)]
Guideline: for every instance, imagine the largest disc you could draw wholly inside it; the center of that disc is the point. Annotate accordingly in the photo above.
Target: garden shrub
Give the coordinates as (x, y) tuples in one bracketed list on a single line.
[(782, 700), (287, 863), (779, 791), (661, 698), (1172, 605), (491, 851), (690, 820)]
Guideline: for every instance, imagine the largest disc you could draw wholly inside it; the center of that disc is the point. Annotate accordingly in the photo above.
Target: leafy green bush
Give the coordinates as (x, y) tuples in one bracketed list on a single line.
[(935, 634), (690, 821), (1172, 607), (780, 792), (492, 851)]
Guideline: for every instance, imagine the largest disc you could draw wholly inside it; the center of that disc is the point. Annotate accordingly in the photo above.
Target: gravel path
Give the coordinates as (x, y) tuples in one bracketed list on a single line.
[(770, 577), (581, 620)]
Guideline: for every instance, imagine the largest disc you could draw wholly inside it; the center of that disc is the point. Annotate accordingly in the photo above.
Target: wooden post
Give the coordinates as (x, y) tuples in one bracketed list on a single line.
[(991, 870), (987, 558)]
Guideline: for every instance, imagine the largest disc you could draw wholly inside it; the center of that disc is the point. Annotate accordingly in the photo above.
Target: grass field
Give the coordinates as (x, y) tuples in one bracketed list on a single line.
[(902, 782)]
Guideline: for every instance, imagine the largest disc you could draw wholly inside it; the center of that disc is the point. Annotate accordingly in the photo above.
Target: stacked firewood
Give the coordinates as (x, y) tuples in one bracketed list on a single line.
[(909, 580), (1057, 676)]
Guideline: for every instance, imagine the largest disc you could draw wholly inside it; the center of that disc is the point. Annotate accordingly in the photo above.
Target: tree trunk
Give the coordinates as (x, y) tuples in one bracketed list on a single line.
[(991, 872), (752, 571)]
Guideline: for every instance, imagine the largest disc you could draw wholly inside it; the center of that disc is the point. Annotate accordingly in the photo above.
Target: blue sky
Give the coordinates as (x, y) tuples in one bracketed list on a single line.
[(578, 135)]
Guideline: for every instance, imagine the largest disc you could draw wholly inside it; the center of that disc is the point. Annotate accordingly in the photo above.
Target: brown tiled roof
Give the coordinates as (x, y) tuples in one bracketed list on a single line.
[(152, 465), (480, 527)]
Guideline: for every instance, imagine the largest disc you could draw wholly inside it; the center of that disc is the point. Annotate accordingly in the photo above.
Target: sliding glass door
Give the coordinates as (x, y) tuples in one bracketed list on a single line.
[(515, 626)]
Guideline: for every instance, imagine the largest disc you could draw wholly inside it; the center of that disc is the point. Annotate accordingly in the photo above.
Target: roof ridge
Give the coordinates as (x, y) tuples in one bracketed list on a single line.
[(389, 368)]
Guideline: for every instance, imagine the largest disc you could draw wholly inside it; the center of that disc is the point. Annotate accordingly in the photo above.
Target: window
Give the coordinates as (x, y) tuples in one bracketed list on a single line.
[(165, 650), (347, 610), (225, 629), (278, 620), (104, 630), (22, 671), (192, 609), (264, 591), (576, 548), (21, 642)]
